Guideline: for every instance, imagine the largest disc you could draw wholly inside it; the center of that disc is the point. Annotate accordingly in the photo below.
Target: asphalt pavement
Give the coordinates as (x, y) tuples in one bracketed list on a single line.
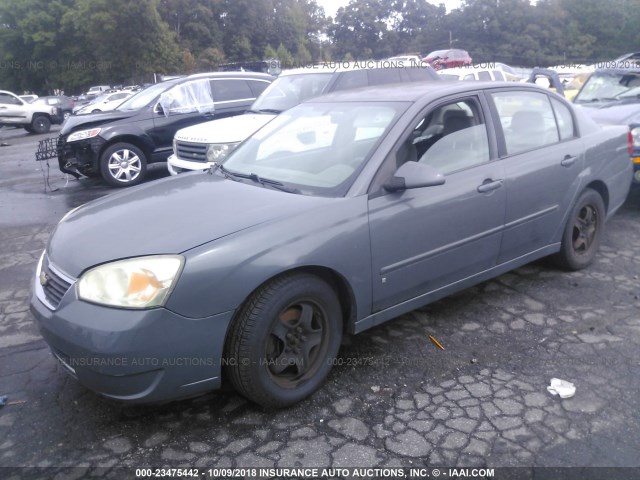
[(393, 399)]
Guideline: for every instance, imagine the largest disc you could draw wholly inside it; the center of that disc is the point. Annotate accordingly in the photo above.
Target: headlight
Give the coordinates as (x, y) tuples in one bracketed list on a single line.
[(142, 282), (83, 134), (219, 151), (635, 135)]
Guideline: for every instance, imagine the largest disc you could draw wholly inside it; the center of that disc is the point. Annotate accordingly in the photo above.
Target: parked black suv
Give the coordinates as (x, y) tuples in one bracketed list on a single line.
[(612, 96), (119, 144)]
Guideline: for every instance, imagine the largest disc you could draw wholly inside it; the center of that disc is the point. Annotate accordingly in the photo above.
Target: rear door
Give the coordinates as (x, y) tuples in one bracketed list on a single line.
[(543, 158)]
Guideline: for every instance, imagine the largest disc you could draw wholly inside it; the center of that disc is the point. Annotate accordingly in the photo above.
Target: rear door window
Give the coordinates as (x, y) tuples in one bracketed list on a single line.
[(527, 120), (230, 90)]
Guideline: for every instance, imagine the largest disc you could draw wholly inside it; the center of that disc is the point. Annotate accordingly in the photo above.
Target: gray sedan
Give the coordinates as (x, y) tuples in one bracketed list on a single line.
[(342, 213)]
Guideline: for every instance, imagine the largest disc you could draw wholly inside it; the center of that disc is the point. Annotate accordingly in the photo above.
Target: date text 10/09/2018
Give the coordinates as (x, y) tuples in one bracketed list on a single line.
[(321, 473)]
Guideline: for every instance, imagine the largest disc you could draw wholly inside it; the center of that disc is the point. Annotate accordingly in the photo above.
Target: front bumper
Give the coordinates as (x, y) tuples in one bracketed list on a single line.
[(177, 165), (137, 356), (76, 157)]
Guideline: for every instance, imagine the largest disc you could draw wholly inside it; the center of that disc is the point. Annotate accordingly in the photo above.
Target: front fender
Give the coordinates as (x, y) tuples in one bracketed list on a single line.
[(220, 275)]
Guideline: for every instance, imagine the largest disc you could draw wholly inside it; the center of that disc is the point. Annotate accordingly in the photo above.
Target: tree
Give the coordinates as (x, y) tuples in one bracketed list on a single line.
[(129, 36)]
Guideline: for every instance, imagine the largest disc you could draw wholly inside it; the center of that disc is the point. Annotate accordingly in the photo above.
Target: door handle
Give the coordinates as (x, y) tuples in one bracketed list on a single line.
[(568, 160), (489, 185)]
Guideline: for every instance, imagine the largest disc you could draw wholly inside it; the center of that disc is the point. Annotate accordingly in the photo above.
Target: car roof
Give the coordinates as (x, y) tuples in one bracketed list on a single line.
[(245, 75), (413, 92)]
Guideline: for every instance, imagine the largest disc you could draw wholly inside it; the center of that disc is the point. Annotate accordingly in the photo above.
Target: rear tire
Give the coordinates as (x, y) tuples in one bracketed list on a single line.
[(123, 165), (280, 346), (583, 232), (40, 124)]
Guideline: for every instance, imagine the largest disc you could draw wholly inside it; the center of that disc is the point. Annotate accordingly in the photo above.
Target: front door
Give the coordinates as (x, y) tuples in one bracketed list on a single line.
[(424, 239)]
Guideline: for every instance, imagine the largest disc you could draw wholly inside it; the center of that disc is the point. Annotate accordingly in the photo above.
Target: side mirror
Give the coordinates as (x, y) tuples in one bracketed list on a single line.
[(414, 175)]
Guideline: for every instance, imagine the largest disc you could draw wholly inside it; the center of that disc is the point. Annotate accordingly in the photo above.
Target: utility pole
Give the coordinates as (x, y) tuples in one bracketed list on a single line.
[(450, 40)]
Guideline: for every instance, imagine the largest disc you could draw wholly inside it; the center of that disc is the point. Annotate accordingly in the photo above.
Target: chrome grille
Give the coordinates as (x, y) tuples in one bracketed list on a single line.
[(194, 152), (55, 286)]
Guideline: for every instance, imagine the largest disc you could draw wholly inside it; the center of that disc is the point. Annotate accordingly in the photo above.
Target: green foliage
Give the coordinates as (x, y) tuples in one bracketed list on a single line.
[(71, 44)]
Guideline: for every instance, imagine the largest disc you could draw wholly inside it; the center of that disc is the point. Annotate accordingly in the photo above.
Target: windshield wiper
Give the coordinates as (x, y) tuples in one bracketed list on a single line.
[(254, 177), (270, 110)]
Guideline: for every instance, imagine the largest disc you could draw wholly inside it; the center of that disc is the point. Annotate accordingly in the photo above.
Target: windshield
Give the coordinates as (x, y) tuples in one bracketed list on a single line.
[(603, 86), (315, 148), (290, 90), (144, 97)]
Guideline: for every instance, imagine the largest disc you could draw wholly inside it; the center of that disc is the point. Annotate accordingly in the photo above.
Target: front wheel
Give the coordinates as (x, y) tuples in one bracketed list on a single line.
[(123, 165), (280, 346), (40, 124), (583, 232)]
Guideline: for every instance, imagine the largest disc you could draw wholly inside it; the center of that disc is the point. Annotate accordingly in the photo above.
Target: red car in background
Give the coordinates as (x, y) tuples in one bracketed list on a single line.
[(441, 59)]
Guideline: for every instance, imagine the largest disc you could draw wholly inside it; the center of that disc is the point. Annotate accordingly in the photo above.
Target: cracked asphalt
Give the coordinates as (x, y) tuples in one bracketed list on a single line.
[(393, 398)]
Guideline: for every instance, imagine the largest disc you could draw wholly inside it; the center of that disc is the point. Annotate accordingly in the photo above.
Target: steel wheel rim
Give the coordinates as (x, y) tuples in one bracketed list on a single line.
[(585, 228), (124, 166), (297, 343)]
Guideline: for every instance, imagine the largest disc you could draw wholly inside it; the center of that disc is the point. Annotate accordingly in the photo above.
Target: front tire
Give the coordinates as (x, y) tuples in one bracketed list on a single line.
[(40, 124), (280, 346), (583, 232), (123, 165)]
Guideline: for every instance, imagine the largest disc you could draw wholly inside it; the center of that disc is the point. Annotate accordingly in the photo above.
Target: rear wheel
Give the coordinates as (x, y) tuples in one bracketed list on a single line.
[(280, 346), (123, 165), (40, 124), (583, 232)]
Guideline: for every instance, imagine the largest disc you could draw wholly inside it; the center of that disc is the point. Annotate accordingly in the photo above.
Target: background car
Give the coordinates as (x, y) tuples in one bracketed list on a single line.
[(28, 98), (440, 59), (33, 117), (394, 197), (104, 102), (117, 145), (468, 73), (65, 104), (611, 96), (199, 146)]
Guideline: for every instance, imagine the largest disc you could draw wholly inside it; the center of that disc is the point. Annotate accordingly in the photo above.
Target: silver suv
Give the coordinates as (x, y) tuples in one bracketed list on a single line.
[(33, 117)]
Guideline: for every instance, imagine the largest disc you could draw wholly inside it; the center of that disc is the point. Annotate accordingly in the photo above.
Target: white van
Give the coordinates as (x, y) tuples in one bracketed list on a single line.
[(198, 147)]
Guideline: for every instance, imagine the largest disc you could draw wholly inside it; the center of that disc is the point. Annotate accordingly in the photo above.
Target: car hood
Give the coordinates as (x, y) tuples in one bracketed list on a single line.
[(168, 216), (225, 130), (614, 113), (77, 122)]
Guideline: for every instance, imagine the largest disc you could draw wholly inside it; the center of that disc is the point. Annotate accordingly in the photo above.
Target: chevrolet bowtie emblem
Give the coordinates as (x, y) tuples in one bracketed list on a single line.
[(43, 279)]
